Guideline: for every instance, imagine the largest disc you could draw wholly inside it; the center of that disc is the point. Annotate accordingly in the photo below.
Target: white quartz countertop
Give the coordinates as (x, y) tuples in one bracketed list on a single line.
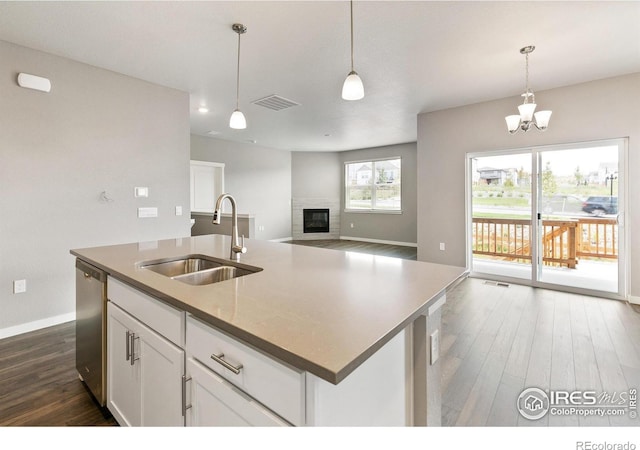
[(319, 310)]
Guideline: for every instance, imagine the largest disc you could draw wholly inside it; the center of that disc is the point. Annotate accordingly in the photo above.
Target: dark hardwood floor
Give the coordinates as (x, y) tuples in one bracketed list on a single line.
[(39, 385), (495, 342)]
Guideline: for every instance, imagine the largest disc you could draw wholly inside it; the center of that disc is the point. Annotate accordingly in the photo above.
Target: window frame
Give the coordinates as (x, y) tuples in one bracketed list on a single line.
[(372, 184)]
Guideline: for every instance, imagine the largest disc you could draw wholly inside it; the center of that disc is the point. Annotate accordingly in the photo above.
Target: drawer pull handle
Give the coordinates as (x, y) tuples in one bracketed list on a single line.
[(225, 364), (128, 345), (184, 395)]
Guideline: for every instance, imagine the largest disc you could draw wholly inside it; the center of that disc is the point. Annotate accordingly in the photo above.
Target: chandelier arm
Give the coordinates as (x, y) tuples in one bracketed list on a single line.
[(540, 128)]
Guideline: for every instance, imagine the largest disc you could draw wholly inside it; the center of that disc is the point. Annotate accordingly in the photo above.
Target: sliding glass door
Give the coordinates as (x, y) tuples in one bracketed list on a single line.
[(501, 214), (552, 216)]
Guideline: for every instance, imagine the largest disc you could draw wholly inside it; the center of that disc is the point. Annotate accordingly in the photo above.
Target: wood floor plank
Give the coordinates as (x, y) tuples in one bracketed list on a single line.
[(611, 374), (481, 398), (39, 385), (562, 362), (586, 370)]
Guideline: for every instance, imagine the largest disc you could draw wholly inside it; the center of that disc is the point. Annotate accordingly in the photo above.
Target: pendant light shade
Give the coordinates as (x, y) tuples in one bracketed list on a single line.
[(237, 120), (352, 89)]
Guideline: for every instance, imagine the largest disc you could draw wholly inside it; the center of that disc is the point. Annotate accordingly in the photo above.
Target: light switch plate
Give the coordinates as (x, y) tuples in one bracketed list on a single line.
[(141, 192), (19, 286), (147, 212), (435, 346), (178, 210)]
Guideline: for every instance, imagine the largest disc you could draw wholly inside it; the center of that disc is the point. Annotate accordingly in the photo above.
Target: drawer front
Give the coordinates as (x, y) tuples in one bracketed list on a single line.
[(275, 385), (217, 403), (164, 319)]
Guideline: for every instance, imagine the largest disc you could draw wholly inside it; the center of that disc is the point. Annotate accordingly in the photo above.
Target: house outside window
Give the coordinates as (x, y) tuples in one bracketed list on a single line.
[(373, 186)]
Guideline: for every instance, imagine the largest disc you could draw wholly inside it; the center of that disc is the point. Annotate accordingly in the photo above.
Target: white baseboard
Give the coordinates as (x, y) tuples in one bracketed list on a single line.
[(36, 325), (635, 300), (378, 241), (282, 239)]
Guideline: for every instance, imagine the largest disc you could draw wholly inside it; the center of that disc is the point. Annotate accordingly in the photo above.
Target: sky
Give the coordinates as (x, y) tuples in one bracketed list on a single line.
[(563, 162)]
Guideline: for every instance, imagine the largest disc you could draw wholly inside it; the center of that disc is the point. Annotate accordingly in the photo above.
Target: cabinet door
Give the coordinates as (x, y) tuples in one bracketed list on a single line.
[(123, 379), (161, 369), (216, 402), (144, 373)]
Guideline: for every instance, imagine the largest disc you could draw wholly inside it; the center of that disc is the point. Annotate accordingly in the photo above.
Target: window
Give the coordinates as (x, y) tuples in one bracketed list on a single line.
[(373, 185)]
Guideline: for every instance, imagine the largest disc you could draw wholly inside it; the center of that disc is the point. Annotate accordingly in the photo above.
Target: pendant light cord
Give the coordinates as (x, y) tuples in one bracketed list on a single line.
[(351, 35), (526, 82), (238, 77)]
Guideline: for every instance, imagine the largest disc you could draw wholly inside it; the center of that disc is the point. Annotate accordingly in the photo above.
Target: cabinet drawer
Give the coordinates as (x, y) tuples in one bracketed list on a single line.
[(157, 315), (272, 383)]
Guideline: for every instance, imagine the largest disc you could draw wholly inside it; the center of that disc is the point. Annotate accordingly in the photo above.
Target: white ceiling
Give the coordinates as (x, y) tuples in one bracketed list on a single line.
[(413, 56)]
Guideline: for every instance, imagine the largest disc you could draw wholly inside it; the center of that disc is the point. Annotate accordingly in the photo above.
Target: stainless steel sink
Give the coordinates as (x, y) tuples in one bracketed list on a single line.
[(199, 270)]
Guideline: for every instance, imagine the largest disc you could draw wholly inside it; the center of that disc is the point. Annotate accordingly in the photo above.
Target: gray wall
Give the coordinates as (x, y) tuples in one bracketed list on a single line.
[(321, 175), (259, 179), (591, 111), (316, 175), (386, 227), (96, 130)]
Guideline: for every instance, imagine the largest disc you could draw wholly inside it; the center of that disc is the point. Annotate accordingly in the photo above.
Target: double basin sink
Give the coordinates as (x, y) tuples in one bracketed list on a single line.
[(199, 270)]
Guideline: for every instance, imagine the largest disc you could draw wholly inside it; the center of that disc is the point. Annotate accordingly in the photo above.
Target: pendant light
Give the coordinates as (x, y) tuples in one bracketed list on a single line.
[(352, 89), (526, 118), (237, 120)]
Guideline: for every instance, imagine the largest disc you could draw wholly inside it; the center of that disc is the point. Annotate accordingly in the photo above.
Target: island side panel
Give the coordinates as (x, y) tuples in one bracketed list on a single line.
[(427, 390), (375, 394)]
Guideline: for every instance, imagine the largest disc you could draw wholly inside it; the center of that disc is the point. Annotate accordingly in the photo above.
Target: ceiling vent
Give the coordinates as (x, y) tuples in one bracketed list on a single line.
[(276, 103)]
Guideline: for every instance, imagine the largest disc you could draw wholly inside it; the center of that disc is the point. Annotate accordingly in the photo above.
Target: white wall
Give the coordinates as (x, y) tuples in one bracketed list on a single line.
[(591, 111), (259, 179), (96, 130)]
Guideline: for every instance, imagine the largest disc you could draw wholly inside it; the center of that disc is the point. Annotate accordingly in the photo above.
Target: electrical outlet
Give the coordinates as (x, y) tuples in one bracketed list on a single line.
[(178, 210), (19, 286), (435, 347), (442, 246), (351, 225)]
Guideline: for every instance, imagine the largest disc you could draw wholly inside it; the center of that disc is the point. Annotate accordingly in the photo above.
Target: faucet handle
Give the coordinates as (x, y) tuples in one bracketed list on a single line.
[(244, 249)]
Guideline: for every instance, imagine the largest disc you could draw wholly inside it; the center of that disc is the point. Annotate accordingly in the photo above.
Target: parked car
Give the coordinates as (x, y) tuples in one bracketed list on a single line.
[(601, 205)]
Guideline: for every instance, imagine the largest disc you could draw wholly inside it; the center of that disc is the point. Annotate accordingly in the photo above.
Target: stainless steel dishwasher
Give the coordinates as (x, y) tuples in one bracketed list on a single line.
[(91, 328)]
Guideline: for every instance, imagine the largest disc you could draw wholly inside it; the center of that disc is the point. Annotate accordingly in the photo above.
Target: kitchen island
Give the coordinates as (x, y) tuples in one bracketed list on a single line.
[(356, 335)]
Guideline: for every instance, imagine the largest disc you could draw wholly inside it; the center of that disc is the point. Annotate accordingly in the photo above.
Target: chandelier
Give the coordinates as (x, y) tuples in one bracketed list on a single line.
[(528, 116)]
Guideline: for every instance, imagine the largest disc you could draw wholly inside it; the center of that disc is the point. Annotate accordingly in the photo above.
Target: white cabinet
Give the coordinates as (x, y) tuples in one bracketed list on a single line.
[(216, 402), (279, 387), (144, 373)]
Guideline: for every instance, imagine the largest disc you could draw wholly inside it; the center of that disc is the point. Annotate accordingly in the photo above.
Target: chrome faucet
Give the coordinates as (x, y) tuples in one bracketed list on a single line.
[(236, 248)]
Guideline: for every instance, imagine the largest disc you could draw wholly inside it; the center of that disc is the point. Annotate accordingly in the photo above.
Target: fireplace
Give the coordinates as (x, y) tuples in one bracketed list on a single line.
[(315, 220)]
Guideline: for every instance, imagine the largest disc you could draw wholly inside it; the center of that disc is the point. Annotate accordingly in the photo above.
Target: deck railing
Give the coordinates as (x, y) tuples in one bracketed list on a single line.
[(564, 242)]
